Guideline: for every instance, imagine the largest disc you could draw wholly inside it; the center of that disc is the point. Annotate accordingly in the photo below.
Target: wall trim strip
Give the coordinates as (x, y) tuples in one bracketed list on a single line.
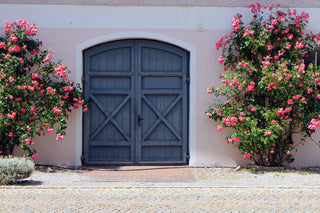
[(170, 3)]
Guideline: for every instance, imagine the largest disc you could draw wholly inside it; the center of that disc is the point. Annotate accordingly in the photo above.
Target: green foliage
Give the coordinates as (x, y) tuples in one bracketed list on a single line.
[(13, 169), (271, 93), (36, 94)]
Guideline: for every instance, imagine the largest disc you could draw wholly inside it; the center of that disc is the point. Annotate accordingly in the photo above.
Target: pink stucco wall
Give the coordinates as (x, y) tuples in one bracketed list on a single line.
[(67, 34)]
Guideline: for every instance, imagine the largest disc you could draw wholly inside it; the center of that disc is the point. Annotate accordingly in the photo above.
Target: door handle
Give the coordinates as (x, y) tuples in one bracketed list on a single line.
[(139, 120)]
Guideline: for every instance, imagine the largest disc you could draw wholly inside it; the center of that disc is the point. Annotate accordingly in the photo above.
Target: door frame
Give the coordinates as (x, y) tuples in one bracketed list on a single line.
[(141, 35)]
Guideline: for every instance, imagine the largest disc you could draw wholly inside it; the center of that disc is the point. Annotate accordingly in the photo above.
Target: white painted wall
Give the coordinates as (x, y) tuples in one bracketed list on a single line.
[(70, 29)]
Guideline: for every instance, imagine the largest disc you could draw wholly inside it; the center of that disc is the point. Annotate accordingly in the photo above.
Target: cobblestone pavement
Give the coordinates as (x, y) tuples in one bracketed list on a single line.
[(214, 190), (161, 199)]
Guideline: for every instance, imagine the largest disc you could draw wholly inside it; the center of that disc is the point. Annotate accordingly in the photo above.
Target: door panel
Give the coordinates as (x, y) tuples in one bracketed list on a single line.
[(162, 69), (111, 60), (154, 59), (139, 103), (109, 86)]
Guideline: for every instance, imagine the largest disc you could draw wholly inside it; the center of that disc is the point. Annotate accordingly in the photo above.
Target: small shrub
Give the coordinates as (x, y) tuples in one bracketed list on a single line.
[(13, 169)]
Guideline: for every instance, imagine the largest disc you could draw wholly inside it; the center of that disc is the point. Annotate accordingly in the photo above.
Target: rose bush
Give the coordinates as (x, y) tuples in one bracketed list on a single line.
[(36, 94), (269, 93)]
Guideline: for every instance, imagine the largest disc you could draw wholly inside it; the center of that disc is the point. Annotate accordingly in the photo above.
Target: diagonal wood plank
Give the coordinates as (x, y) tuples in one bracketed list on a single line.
[(109, 117), (161, 117)]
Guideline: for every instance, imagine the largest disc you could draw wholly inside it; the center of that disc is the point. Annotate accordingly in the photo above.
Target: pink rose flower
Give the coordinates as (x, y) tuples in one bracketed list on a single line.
[(267, 134), (50, 131), (221, 59), (85, 108), (247, 156), (13, 38), (290, 102), (28, 140), (235, 139), (35, 156), (59, 137)]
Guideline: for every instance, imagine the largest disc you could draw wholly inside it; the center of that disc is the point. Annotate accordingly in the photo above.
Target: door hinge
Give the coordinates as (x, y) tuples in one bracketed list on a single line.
[(84, 79), (187, 156), (83, 158), (187, 80)]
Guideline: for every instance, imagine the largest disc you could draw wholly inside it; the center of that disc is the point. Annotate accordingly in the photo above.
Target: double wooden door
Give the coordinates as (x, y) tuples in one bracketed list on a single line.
[(138, 112)]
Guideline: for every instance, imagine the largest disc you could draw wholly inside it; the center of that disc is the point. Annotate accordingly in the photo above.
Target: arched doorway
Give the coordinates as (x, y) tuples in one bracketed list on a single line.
[(138, 115)]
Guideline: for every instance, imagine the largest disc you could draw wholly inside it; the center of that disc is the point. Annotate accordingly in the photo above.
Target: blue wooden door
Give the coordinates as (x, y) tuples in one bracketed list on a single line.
[(138, 90)]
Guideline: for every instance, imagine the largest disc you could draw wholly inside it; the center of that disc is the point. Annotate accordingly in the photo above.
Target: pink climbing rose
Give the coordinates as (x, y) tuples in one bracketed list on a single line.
[(247, 155)]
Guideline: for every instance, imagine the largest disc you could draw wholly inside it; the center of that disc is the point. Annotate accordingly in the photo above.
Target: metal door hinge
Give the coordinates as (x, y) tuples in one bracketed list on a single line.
[(83, 158), (187, 156), (187, 80), (84, 79)]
